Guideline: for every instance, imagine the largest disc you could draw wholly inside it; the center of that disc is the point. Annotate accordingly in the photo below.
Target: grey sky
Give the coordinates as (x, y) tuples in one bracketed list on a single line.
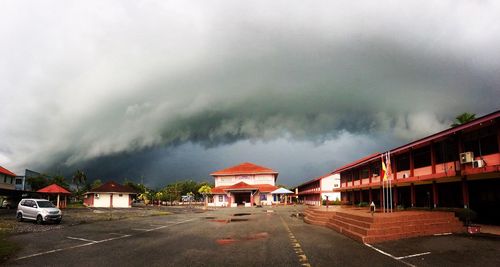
[(177, 89)]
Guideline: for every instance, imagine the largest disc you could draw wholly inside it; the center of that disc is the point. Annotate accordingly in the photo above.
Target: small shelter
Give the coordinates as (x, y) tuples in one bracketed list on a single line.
[(281, 193), (109, 195), (56, 190)]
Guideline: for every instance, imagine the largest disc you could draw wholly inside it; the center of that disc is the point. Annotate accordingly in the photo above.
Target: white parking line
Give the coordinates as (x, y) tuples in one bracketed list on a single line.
[(442, 234), (400, 259), (414, 255), (81, 239), (93, 242)]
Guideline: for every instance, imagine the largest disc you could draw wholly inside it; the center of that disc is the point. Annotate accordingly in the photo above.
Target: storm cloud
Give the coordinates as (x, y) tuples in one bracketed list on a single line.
[(126, 89)]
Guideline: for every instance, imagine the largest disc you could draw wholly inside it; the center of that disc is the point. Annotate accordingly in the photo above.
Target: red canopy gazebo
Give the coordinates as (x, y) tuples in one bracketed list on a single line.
[(53, 190)]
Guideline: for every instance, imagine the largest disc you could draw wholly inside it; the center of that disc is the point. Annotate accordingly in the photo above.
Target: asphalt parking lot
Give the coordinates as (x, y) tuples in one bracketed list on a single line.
[(238, 237)]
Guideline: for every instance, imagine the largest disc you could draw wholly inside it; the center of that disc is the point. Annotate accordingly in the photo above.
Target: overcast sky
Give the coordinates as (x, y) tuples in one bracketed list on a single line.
[(173, 90)]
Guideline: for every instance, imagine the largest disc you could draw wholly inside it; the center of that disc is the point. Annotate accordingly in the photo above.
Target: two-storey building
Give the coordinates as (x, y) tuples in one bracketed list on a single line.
[(245, 184), (458, 167)]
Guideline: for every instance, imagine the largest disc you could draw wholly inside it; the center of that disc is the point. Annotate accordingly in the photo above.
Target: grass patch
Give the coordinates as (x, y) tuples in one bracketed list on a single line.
[(76, 205), (160, 213), (7, 247)]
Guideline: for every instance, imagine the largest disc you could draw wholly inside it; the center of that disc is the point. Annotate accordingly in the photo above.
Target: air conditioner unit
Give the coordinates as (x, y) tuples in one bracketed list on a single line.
[(478, 163), (466, 157)]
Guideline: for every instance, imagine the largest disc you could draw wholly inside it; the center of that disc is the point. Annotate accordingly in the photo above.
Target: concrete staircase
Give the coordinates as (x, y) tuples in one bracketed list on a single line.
[(317, 216), (362, 226)]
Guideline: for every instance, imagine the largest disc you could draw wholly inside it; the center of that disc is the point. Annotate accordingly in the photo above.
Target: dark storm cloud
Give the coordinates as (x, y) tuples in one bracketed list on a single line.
[(119, 87)]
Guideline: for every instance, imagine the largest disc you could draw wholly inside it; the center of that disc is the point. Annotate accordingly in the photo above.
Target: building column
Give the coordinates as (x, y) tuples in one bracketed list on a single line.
[(251, 199), (360, 195), (370, 195), (433, 158), (395, 196), (381, 197), (465, 193), (412, 164), (435, 196), (111, 201), (413, 196)]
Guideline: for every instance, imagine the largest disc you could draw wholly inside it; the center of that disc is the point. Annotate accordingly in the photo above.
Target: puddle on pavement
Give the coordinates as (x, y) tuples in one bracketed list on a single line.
[(256, 236), (238, 220), (297, 215), (242, 214), (219, 221), (230, 240), (225, 241), (209, 217)]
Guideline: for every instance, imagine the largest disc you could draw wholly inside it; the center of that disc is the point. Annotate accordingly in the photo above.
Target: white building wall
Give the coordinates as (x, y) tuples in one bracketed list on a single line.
[(330, 182), (218, 202), (249, 179), (120, 201), (102, 201)]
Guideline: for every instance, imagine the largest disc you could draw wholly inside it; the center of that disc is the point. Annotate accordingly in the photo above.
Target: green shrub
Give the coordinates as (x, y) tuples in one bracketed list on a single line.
[(363, 204)]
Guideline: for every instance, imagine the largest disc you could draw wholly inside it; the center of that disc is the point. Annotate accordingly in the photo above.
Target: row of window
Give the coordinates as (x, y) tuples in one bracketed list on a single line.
[(482, 142)]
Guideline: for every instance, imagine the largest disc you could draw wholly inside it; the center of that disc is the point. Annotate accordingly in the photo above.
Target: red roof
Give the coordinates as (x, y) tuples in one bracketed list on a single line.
[(357, 162), (245, 168), (111, 186), (6, 172), (315, 179), (54, 189), (243, 186)]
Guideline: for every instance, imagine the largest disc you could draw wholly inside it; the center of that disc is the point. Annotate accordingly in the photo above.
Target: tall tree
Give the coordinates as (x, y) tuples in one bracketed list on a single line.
[(463, 118), (59, 180), (205, 190), (37, 182), (79, 178), (96, 183)]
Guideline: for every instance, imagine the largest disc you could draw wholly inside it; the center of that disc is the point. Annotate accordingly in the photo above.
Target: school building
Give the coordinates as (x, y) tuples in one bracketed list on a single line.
[(246, 184), (456, 168)]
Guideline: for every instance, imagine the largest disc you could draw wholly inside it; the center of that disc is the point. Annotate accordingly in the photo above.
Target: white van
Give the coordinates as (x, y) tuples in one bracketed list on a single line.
[(39, 210)]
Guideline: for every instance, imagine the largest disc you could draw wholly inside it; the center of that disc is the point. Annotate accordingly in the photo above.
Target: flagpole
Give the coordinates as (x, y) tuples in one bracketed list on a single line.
[(390, 183)]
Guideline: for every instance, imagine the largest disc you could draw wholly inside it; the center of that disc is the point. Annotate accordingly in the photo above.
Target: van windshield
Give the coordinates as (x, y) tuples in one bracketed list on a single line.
[(45, 204)]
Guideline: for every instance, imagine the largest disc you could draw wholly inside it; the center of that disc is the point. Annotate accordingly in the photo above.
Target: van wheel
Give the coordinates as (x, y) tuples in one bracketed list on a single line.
[(19, 217), (39, 219), (58, 221)]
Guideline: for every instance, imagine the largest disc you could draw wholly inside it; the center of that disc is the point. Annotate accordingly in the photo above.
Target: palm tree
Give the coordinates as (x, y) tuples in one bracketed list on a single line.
[(463, 118), (79, 178)]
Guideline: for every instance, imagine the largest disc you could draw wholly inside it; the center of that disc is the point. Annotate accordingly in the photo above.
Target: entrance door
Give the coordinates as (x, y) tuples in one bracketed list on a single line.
[(241, 198)]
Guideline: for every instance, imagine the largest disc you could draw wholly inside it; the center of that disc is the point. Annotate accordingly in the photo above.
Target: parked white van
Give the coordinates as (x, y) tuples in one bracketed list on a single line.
[(39, 210)]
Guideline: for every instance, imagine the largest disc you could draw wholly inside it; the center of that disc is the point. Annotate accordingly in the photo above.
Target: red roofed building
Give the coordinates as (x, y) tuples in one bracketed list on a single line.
[(57, 191), (7, 179), (109, 195), (244, 184)]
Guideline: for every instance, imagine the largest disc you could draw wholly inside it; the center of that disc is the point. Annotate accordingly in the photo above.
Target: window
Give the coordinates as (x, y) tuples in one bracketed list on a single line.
[(403, 162), (422, 157), (446, 151), (263, 197), (375, 169), (363, 173), (19, 181), (120, 195), (221, 198), (481, 142)]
